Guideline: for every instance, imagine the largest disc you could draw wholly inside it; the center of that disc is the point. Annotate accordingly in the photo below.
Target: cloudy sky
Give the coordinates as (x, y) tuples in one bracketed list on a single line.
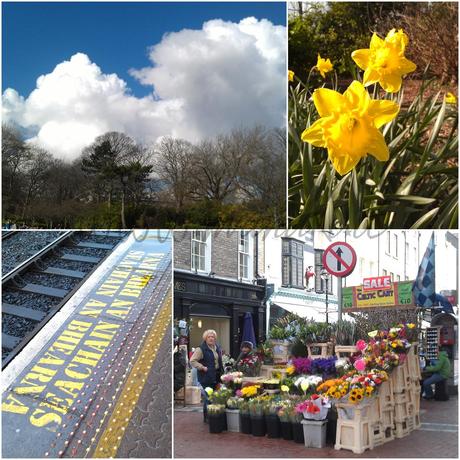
[(74, 71)]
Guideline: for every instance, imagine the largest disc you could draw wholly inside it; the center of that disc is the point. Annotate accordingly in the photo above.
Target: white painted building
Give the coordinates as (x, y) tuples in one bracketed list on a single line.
[(396, 253)]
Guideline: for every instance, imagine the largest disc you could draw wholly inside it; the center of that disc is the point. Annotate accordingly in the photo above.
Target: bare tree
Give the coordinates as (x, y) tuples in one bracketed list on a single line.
[(173, 161), (36, 174)]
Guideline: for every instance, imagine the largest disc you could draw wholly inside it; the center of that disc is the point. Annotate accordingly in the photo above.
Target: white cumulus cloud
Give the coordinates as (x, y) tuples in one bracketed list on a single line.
[(204, 82)]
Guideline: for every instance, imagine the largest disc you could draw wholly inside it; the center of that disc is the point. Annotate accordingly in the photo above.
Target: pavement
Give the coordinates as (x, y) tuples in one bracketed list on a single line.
[(437, 438), (100, 384)]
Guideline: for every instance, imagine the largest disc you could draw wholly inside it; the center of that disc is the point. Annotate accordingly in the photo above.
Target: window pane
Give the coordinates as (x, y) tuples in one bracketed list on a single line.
[(285, 270)]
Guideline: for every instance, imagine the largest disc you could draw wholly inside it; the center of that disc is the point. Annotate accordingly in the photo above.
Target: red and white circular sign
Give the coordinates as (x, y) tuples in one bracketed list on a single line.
[(339, 259)]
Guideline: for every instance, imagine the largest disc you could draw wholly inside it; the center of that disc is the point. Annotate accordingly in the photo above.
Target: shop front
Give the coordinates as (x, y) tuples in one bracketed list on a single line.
[(210, 303)]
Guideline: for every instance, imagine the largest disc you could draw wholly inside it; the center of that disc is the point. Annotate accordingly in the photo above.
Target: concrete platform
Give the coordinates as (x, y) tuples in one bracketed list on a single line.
[(101, 371)]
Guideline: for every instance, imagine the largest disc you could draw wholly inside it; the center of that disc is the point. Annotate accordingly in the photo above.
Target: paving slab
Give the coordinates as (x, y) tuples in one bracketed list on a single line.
[(193, 440)]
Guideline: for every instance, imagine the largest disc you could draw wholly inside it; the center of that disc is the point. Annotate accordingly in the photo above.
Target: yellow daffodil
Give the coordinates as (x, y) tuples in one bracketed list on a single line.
[(411, 325), (209, 391), (291, 75), (290, 370), (384, 61), (450, 98), (284, 388), (324, 66), (349, 124)]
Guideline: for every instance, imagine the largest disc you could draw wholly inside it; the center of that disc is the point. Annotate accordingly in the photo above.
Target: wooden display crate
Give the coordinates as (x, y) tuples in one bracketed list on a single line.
[(326, 350), (343, 351)]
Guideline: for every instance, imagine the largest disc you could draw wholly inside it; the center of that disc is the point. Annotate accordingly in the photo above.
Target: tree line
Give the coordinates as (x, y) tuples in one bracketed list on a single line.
[(232, 180)]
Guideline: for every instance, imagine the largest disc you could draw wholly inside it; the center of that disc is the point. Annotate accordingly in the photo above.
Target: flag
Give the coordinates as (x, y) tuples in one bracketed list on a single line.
[(424, 285), (445, 304)]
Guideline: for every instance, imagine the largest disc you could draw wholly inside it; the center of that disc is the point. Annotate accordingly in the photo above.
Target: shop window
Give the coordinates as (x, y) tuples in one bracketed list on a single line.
[(292, 266)]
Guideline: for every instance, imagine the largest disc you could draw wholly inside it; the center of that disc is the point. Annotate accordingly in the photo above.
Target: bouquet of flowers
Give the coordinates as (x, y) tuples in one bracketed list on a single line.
[(308, 383), (315, 408), (227, 362), (324, 366), (301, 366), (250, 365), (214, 409), (335, 388), (284, 410), (364, 385), (220, 396), (234, 402), (249, 391), (232, 379)]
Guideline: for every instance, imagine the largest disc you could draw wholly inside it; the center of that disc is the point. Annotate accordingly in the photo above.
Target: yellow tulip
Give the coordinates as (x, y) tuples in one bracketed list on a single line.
[(349, 124), (284, 388), (372, 334), (324, 66), (384, 61), (291, 75), (450, 98)]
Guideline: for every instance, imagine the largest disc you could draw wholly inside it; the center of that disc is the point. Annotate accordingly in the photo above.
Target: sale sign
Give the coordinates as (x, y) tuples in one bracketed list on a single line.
[(376, 283)]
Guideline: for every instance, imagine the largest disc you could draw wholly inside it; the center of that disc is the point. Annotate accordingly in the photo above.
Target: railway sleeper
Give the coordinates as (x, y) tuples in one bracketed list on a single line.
[(92, 245), (64, 272), (46, 290), (23, 312)]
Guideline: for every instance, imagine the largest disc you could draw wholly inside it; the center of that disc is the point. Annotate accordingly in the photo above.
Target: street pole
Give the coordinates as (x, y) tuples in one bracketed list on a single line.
[(339, 298), (327, 309)]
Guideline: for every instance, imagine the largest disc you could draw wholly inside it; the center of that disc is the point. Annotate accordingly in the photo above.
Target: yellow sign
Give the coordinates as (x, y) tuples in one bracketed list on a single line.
[(382, 297)]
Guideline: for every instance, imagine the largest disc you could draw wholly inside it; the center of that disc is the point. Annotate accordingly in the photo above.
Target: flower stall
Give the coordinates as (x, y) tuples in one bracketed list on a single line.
[(364, 399)]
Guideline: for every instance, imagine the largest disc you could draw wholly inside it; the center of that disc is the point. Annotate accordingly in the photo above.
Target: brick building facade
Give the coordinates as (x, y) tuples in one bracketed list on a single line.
[(216, 282)]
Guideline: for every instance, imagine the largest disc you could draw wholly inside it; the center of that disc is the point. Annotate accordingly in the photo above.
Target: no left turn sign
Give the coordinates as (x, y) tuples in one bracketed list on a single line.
[(339, 259)]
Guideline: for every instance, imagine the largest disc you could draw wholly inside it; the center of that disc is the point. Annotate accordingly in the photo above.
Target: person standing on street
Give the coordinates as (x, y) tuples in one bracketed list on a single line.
[(207, 359)]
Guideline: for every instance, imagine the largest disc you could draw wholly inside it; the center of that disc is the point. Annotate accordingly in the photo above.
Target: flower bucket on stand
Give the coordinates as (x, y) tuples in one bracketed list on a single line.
[(314, 432)]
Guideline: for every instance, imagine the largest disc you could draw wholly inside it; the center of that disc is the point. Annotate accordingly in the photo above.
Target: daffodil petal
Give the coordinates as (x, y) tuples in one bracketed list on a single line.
[(370, 77), (361, 58), (377, 146), (391, 83), (406, 66), (314, 134), (327, 100), (357, 96), (376, 42), (382, 111), (343, 163)]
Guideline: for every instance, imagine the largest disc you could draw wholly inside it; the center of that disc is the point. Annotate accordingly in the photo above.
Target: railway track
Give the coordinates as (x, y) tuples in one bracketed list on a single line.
[(34, 291)]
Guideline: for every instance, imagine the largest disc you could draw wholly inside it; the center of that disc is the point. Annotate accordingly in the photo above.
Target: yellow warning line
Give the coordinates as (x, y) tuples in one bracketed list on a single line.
[(111, 438)]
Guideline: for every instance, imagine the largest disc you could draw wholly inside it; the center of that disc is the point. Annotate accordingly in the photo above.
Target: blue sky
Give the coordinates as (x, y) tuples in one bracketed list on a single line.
[(116, 36)]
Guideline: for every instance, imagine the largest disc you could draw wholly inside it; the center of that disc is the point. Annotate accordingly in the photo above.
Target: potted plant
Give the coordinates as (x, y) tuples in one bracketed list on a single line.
[(285, 420), (272, 422), (256, 411), (233, 414), (216, 418), (245, 418), (280, 344), (314, 411), (265, 350)]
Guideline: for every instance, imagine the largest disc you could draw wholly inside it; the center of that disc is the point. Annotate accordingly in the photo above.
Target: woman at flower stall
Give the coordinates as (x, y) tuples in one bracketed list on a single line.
[(207, 359), (246, 349)]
